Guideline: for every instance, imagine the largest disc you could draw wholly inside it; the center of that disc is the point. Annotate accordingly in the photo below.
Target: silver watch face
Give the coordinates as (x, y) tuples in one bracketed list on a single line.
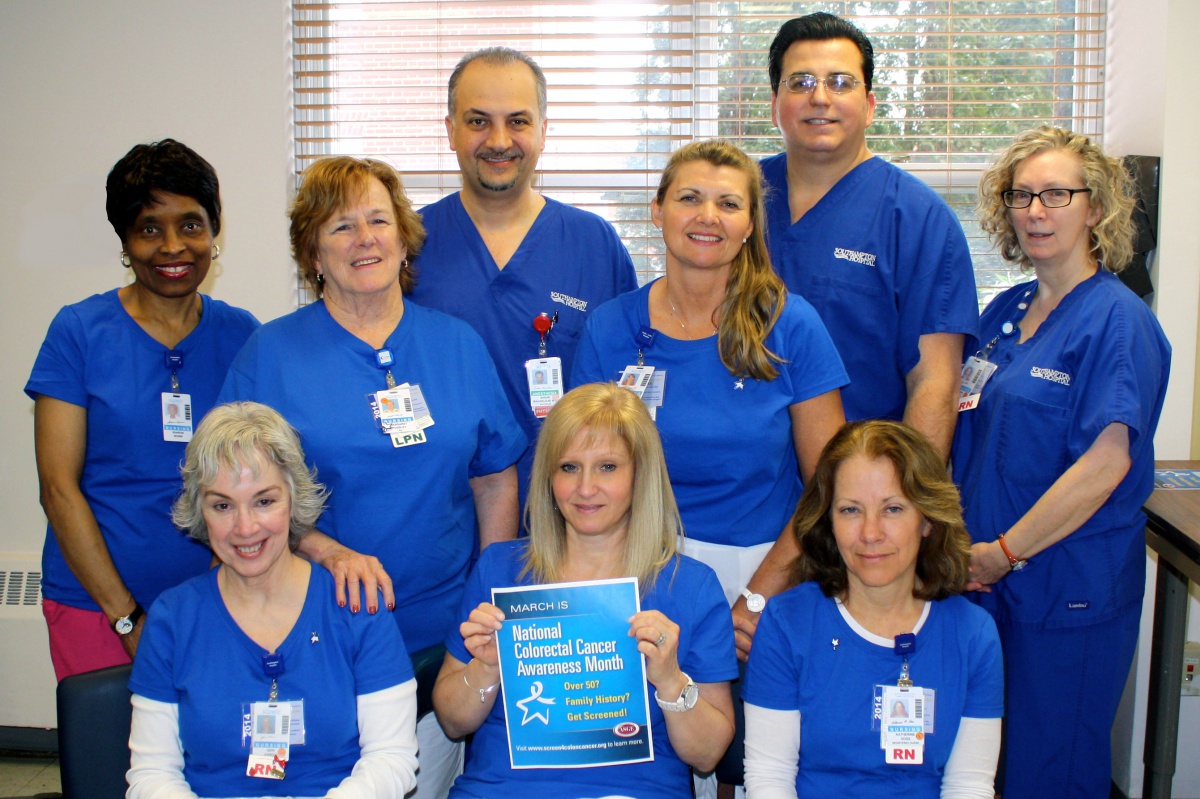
[(691, 695), (123, 626), (755, 603)]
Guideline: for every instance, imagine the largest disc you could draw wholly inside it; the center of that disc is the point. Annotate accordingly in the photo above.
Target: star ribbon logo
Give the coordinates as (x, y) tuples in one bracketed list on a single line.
[(535, 695)]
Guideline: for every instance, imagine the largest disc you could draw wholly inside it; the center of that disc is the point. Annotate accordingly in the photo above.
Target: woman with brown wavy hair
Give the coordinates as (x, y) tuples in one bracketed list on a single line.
[(875, 626), (750, 394)]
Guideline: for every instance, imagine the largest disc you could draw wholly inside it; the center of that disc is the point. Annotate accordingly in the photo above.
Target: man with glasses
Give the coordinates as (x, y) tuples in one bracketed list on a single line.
[(524, 270), (879, 255)]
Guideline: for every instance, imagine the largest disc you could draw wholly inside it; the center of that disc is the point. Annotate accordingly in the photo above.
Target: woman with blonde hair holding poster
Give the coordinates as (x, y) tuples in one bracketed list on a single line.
[(600, 507)]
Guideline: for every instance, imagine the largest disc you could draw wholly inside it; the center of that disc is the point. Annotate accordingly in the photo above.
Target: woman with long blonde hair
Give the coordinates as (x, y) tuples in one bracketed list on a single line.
[(752, 378), (600, 507)]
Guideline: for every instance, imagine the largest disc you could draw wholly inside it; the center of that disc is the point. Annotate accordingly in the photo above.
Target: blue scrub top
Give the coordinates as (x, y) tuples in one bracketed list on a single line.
[(728, 442), (884, 261), (569, 263), (1099, 358), (412, 507)]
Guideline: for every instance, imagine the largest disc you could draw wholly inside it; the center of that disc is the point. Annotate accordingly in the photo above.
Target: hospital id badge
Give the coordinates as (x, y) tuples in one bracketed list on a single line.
[(975, 374), (270, 740), (396, 410), (647, 382), (176, 417), (902, 732), (544, 376)]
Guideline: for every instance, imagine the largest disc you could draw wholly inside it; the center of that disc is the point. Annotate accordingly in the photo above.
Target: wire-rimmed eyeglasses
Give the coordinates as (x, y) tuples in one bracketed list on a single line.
[(838, 83), (1049, 198)]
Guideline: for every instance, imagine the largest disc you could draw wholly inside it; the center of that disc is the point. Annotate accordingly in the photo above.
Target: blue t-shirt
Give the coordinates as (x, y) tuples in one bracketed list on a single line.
[(97, 357), (569, 263), (1100, 357), (808, 658), (193, 654), (688, 595), (884, 261), (411, 507), (728, 441)]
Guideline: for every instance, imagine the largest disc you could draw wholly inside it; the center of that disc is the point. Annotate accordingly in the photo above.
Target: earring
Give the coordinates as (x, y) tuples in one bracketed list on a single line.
[(216, 251), (404, 265), (125, 260), (320, 279)]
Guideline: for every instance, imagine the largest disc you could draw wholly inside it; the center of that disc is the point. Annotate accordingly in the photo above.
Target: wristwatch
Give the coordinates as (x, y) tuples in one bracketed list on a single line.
[(754, 602), (125, 624), (686, 701), (1014, 563)]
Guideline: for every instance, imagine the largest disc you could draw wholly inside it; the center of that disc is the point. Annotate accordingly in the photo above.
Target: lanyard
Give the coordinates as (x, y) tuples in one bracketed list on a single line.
[(384, 360), (644, 340), (1010, 327), (272, 667), (173, 360), (904, 645), (543, 323)]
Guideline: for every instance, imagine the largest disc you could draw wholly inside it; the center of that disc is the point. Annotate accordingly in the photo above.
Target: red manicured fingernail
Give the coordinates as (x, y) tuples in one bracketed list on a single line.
[(354, 608), (372, 610), (391, 606), (341, 603)]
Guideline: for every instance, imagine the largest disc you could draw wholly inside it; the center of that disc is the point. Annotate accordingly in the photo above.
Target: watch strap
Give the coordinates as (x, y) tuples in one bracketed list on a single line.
[(131, 619), (1014, 562)]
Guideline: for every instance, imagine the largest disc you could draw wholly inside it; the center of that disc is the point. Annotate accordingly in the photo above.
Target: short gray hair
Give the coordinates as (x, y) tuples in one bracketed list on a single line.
[(499, 57), (247, 434)]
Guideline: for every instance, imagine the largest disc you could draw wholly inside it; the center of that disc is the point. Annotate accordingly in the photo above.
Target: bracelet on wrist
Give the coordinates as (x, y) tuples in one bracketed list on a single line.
[(1014, 563), (483, 692)]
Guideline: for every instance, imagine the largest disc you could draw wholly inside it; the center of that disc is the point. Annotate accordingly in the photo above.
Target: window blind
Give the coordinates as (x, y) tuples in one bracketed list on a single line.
[(629, 82)]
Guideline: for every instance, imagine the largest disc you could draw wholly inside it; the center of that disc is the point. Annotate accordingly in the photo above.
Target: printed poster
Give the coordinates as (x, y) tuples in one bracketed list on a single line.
[(572, 679)]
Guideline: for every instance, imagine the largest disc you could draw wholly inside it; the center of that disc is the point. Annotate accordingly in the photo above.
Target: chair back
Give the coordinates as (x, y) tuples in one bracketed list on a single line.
[(93, 733)]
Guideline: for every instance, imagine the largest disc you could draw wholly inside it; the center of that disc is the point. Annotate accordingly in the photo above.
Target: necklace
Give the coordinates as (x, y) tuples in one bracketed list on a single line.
[(679, 318)]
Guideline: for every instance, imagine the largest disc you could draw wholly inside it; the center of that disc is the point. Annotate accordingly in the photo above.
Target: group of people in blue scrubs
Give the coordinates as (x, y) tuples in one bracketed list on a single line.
[(820, 286)]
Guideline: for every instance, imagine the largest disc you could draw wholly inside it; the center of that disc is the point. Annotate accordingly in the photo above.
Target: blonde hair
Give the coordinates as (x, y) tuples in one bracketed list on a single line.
[(755, 296), (247, 434), (1111, 193), (944, 554), (331, 184), (654, 524)]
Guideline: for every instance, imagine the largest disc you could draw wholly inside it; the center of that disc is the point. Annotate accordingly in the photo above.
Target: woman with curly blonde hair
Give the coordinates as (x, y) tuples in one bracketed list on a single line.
[(1054, 455), (752, 378)]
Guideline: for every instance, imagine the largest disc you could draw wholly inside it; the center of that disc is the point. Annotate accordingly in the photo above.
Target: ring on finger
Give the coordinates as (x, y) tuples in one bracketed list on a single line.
[(662, 637)]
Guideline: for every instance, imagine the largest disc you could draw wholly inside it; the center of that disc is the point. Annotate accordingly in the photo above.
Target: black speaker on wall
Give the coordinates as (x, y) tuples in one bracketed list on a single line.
[(1145, 172)]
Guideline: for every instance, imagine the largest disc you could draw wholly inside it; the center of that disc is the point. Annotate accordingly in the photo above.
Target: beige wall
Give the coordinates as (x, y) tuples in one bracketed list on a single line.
[(83, 82)]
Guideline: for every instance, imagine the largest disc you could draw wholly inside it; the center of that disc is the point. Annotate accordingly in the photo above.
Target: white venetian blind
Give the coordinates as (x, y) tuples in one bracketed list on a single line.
[(631, 81)]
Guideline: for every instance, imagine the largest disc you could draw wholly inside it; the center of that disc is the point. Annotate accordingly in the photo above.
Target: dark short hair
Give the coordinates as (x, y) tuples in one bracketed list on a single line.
[(944, 554), (331, 184), (162, 166), (497, 57), (820, 26)]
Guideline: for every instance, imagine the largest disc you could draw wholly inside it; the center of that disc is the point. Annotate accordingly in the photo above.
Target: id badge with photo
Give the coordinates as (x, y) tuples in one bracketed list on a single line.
[(270, 740), (975, 374), (905, 719), (545, 379), (177, 417)]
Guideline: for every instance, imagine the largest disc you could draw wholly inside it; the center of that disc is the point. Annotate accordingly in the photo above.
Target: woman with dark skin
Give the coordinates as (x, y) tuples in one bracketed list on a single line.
[(108, 448)]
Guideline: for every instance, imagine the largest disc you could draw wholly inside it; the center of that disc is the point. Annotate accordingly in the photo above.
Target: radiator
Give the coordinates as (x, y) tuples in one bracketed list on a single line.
[(26, 675)]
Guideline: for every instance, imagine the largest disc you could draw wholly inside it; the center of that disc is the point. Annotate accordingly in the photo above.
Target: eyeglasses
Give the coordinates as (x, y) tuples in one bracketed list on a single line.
[(838, 83), (1049, 198)]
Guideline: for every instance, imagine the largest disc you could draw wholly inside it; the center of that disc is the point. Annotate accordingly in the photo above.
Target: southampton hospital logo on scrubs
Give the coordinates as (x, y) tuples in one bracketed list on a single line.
[(865, 258), (1053, 375), (570, 302)]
